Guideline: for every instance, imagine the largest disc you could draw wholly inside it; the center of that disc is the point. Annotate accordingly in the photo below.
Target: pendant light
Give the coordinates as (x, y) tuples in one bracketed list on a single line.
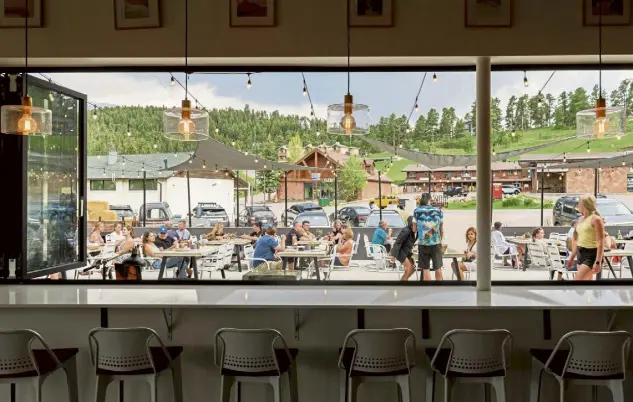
[(26, 119), (348, 118), (601, 125), (186, 123)]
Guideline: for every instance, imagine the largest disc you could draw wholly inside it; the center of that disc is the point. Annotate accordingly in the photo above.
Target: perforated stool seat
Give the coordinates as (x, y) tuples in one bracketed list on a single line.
[(250, 355), (20, 363), (376, 355), (474, 356), (126, 354), (583, 358)]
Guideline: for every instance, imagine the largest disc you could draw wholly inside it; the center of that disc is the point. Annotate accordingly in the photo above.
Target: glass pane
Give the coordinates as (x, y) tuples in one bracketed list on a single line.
[(52, 202)]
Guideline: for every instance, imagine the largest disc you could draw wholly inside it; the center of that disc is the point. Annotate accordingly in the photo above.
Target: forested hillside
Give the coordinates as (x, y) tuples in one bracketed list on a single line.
[(546, 115)]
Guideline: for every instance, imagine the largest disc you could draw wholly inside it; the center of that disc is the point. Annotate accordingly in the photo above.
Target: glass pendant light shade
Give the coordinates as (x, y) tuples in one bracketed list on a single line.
[(185, 123), (601, 122), (25, 119), (348, 118)]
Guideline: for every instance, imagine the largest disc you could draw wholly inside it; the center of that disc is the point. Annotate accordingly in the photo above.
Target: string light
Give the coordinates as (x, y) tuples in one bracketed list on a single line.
[(233, 143), (318, 133), (256, 160), (312, 112), (588, 148), (226, 173), (416, 107), (155, 146), (494, 152), (246, 153), (514, 133), (103, 172), (172, 81), (204, 164), (264, 166), (216, 168), (191, 160), (526, 83), (94, 114), (123, 163), (305, 90), (138, 174), (434, 77), (249, 84), (564, 157), (50, 96), (129, 131), (175, 155), (623, 163), (143, 168)]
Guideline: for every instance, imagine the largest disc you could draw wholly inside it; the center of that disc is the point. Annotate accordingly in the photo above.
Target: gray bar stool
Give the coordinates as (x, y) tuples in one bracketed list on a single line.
[(376, 355), (250, 355), (21, 363), (471, 356), (584, 358), (126, 354)]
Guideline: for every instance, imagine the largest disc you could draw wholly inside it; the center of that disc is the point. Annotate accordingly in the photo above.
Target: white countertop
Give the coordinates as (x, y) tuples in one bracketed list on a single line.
[(378, 297)]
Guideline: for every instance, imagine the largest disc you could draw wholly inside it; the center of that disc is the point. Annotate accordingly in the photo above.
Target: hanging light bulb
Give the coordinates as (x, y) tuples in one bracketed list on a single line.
[(547, 174), (564, 157), (588, 148), (216, 168), (122, 173), (94, 113), (265, 166), (172, 81), (348, 122), (143, 167), (246, 153), (233, 143), (408, 130), (226, 173), (249, 84), (494, 152), (601, 124), (312, 112), (191, 160), (305, 90), (526, 83), (155, 146), (318, 133), (416, 107), (623, 163), (514, 133), (129, 131), (204, 164), (98, 157), (256, 160), (138, 174), (434, 77), (540, 101), (103, 172), (123, 163), (50, 96), (217, 130)]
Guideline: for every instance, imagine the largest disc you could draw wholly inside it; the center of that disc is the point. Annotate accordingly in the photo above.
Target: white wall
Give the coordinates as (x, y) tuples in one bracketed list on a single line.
[(202, 190), (123, 195)]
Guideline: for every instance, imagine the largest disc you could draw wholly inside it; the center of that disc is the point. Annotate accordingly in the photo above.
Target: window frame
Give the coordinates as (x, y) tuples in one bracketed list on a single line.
[(103, 182), (148, 187)]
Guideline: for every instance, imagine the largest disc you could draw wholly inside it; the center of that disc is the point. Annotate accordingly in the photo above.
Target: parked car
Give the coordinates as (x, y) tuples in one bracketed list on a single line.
[(456, 191), (297, 209), (384, 201), (315, 217), (393, 219), (510, 189), (155, 214), (123, 211), (207, 214), (257, 213), (614, 212), (354, 215)]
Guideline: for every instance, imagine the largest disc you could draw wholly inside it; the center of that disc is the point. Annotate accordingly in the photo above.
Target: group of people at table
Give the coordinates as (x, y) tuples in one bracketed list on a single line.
[(586, 242)]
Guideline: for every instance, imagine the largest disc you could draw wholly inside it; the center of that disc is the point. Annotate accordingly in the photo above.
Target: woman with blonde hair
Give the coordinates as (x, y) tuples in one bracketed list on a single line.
[(588, 244), (124, 249), (337, 231), (95, 236), (469, 263), (344, 249), (217, 233)]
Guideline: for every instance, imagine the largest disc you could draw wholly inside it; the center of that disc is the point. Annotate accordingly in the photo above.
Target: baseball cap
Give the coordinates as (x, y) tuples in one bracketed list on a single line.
[(162, 230)]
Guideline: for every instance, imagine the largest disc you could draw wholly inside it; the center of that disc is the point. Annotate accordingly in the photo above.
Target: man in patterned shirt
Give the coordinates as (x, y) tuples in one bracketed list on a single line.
[(430, 221)]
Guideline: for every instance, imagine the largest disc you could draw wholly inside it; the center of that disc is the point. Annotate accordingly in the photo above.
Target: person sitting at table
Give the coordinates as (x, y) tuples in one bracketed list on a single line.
[(344, 249), (165, 242), (402, 249), (337, 232), (469, 261), (267, 248), (150, 249), (502, 247), (382, 235), (171, 232), (217, 233), (96, 238), (116, 236), (294, 235), (255, 234), (182, 233), (305, 225), (538, 237), (124, 249)]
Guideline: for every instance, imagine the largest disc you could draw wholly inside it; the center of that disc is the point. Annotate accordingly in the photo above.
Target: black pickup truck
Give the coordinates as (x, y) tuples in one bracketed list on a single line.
[(455, 192)]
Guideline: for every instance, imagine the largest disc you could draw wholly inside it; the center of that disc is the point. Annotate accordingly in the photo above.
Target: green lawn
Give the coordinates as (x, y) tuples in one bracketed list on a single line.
[(533, 203)]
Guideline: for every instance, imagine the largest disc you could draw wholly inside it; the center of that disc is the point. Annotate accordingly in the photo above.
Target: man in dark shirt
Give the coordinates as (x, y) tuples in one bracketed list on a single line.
[(255, 234), (165, 242), (291, 240)]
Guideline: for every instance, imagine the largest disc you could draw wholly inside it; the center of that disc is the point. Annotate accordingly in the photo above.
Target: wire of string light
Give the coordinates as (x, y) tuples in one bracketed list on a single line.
[(540, 91), (49, 79)]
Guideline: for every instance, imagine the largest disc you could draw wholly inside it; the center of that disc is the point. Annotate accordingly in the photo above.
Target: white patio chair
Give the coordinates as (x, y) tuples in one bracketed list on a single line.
[(251, 355), (126, 354), (215, 261), (556, 261), (107, 253), (356, 243), (382, 261), (500, 249), (376, 355), (25, 358), (584, 358), (471, 356), (327, 271), (539, 256), (249, 251)]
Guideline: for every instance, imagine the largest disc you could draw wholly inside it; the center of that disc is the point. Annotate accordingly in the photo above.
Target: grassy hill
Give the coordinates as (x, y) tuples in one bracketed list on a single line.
[(528, 138)]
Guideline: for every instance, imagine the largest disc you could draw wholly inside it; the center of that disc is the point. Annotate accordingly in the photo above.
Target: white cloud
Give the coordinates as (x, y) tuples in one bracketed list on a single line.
[(151, 90)]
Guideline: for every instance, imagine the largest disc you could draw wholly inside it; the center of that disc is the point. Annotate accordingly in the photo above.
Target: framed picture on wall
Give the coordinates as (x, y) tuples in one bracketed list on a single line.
[(488, 13), (614, 12), (371, 13), (252, 13), (136, 14), (13, 12)]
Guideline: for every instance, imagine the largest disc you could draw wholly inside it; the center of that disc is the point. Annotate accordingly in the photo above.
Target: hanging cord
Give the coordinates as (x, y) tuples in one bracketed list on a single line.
[(26, 48), (600, 51), (186, 49), (349, 33)]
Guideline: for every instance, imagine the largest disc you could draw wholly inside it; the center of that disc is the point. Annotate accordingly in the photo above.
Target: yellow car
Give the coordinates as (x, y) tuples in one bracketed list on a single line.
[(384, 201)]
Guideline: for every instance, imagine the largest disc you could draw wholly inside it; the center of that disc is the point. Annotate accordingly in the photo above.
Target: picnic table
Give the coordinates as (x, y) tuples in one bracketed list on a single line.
[(193, 254), (314, 254)]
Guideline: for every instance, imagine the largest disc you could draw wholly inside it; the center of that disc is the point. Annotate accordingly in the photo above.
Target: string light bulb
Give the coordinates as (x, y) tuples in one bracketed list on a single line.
[(318, 133), (226, 173), (249, 84), (50, 96), (434, 77), (256, 160), (129, 131), (155, 146), (94, 114), (526, 83), (513, 133), (191, 160), (564, 157), (494, 152), (416, 107), (264, 166), (172, 81), (204, 164), (588, 148), (233, 143), (305, 90), (623, 163)]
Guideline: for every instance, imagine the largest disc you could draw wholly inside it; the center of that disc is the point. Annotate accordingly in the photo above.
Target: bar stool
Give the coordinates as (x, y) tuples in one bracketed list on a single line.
[(21, 363), (249, 355), (376, 355), (125, 354), (584, 358), (473, 356)]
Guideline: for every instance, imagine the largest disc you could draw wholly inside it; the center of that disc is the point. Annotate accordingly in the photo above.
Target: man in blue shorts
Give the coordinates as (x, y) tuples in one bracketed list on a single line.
[(430, 222)]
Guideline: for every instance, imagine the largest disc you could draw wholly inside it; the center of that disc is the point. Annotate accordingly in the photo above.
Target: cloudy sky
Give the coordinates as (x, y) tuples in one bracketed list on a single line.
[(385, 93)]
